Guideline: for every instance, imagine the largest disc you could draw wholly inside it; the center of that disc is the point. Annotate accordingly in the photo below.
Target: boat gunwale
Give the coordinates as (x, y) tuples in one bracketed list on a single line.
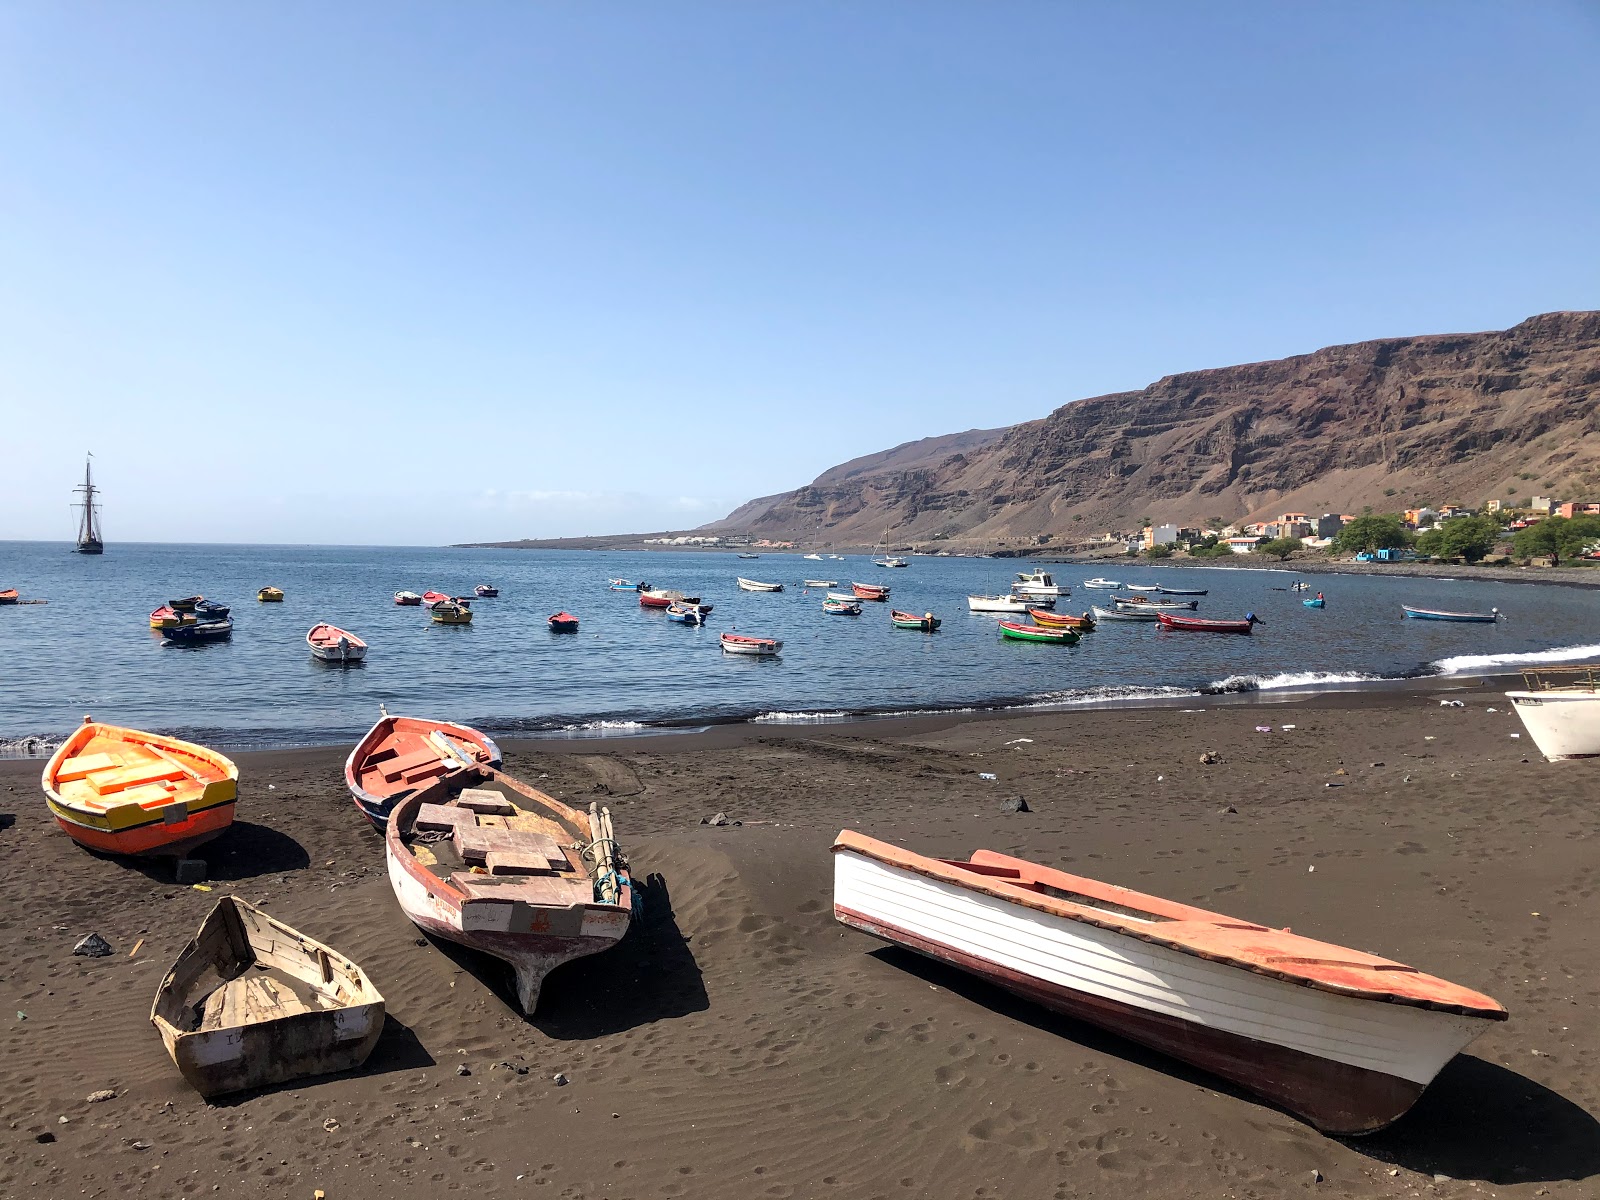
[(961, 875)]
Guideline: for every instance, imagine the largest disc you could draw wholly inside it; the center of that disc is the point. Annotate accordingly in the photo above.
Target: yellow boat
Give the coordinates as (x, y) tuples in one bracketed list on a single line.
[(447, 612), (269, 594), (123, 791)]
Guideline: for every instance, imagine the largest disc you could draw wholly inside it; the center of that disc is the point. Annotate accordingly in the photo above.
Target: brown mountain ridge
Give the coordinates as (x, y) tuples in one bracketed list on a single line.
[(1446, 418)]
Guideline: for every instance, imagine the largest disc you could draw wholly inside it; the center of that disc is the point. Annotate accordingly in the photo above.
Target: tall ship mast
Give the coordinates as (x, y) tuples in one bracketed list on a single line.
[(89, 526)]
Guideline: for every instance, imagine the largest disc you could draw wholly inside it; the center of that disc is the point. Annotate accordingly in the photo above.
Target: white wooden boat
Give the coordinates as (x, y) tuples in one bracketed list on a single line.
[(890, 561), (1101, 583), (251, 1002), (821, 583), (1133, 612), (1561, 711), (514, 873), (1140, 604), (842, 597), (1144, 587), (738, 643), (332, 644), (1344, 1039), (752, 585), (813, 557), (1038, 583), (1006, 604)]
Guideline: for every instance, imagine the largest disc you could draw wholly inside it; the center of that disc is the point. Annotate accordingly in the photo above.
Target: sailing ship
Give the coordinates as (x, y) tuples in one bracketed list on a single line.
[(89, 526)]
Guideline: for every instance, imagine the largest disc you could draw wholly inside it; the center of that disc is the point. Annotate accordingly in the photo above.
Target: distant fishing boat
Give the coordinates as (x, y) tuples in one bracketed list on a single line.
[(687, 614), (450, 612), (841, 608), (432, 598), (1207, 625), (1042, 616), (813, 557), (890, 561), (89, 539), (402, 757), (124, 791), (563, 622), (1144, 587), (1019, 632), (752, 585), (1038, 583), (1433, 614), (1101, 583), (407, 598), (1133, 612), (738, 643), (1004, 604), (487, 590), (869, 591), (749, 556), (621, 585), (9, 596), (664, 597), (926, 623), (1166, 591), (329, 643), (199, 631), (1345, 1040), (1317, 602), (271, 595), (820, 583), (252, 1002)]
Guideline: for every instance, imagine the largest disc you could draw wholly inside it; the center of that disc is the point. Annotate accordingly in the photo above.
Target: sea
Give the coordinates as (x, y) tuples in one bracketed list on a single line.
[(88, 649)]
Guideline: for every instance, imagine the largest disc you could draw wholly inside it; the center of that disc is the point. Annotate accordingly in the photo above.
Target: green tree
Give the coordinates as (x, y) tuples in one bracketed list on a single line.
[(1280, 548), (1158, 551), (1471, 538), (1372, 531), (1558, 537)]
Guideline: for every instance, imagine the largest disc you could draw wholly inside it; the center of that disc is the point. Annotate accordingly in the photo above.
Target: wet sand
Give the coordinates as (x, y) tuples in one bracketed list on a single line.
[(740, 1043)]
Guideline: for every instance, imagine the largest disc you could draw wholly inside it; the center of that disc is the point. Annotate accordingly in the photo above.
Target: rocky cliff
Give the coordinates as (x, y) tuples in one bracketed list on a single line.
[(1449, 418)]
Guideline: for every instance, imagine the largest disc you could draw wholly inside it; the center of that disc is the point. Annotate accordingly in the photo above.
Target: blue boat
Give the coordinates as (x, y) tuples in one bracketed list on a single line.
[(210, 610), (622, 585), (1431, 614), (838, 608), (1319, 602), (199, 631), (687, 614)]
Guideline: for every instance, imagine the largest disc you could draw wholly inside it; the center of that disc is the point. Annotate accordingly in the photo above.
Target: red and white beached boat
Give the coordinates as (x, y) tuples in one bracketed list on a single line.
[(401, 756), (869, 591), (737, 643), (329, 643), (1206, 624), (1346, 1040), (512, 872)]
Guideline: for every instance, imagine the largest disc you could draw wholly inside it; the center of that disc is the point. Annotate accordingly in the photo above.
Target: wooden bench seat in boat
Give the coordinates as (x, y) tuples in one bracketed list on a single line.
[(482, 800), (442, 817), (121, 779), (419, 764), (84, 764), (475, 842), (550, 891)]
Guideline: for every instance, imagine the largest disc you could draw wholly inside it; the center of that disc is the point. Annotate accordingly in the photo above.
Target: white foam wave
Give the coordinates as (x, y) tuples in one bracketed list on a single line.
[(1287, 679), (798, 718), (1462, 663), (602, 727), (1105, 695)]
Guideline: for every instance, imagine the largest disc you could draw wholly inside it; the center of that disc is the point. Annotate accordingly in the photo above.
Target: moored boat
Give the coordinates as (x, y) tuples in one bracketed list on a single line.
[(869, 591), (199, 631), (562, 622), (430, 598), (407, 598), (738, 643), (1004, 604), (1343, 1039), (252, 1002), (486, 589), (1038, 583), (687, 614), (329, 643), (166, 617), (210, 610), (185, 605), (513, 872), (1144, 587), (1166, 591), (1134, 612), (812, 557), (124, 791), (1147, 604), (926, 623), (1206, 624), (621, 585), (841, 597), (820, 583), (1560, 709), (400, 757), (842, 608), (752, 585), (270, 595), (1102, 583), (9, 596), (1434, 614), (662, 597), (1083, 623), (1019, 632), (1315, 602), (450, 612)]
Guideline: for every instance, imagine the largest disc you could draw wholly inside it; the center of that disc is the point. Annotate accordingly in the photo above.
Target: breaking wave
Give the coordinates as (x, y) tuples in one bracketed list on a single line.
[(1287, 679), (1462, 663)]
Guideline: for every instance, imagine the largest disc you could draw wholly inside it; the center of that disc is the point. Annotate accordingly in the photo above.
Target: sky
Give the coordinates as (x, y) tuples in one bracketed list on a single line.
[(410, 273)]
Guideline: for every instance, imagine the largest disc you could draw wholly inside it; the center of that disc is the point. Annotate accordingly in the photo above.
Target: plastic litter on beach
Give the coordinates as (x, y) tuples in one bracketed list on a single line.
[(987, 775), (1263, 728), (1286, 728), (1452, 704), (1019, 741)]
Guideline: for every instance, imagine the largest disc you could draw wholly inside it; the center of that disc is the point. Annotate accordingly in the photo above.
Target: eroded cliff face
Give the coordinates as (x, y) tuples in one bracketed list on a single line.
[(1453, 418)]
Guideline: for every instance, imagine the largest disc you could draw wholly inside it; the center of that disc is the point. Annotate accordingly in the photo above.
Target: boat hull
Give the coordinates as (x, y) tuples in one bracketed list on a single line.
[(376, 806), (1083, 623), (1202, 624), (1347, 1065), (755, 647), (1428, 614), (1121, 614), (1561, 724), (1037, 633), (1001, 604)]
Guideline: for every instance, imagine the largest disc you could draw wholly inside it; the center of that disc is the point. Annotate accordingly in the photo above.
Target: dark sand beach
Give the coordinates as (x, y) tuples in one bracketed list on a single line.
[(742, 1044)]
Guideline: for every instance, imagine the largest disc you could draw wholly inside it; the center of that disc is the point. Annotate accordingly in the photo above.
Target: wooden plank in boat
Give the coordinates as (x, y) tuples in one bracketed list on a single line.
[(84, 764), (517, 862), (475, 842), (443, 817), (482, 800)]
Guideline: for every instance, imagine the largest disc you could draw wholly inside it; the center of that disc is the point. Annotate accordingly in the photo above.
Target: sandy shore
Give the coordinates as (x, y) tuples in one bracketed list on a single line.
[(742, 1044)]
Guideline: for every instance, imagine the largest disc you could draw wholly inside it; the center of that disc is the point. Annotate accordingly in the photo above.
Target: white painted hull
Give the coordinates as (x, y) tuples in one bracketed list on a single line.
[(1084, 965), (750, 585), (1562, 724), (998, 604), (764, 650), (1106, 614), (1034, 589), (339, 654)]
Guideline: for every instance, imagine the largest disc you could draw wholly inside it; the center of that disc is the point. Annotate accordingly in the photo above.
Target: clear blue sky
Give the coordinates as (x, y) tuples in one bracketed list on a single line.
[(417, 273)]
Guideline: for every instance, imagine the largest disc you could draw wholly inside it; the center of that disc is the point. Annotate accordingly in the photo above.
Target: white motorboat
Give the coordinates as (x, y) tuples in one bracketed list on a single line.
[(1006, 604), (1561, 711), (751, 585), (1102, 583), (813, 557), (822, 583), (1346, 1040), (1038, 583)]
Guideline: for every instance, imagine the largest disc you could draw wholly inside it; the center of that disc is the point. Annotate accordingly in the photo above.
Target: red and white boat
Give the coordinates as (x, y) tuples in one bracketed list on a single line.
[(432, 598), (407, 598), (402, 756), (563, 622), (662, 597), (737, 643), (1346, 1040), (332, 644), (869, 591), (1207, 625), (510, 871)]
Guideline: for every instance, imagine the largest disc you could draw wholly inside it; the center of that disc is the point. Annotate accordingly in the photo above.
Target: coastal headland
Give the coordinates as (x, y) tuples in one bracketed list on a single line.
[(740, 1043)]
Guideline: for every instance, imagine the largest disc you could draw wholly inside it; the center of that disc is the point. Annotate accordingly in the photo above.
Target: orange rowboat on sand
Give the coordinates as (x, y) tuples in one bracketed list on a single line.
[(122, 791)]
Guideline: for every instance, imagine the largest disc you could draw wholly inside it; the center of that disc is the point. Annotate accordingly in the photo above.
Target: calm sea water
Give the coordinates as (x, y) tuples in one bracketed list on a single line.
[(90, 650)]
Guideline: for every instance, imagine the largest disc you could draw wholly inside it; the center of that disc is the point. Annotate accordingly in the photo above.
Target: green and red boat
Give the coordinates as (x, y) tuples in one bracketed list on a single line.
[(1038, 633), (926, 623)]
